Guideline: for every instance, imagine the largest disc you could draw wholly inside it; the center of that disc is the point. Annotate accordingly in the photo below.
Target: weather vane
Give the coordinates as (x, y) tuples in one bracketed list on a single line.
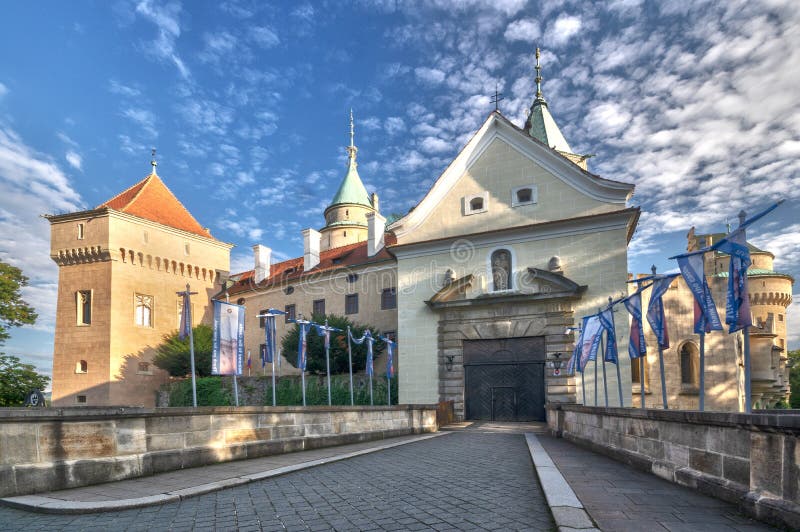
[(153, 162), (498, 96)]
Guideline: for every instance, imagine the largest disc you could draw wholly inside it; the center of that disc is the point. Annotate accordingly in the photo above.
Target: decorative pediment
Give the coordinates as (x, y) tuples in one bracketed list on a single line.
[(535, 285)]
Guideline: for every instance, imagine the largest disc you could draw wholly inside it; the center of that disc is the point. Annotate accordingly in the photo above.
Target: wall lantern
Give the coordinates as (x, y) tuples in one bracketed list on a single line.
[(448, 362), (557, 364)]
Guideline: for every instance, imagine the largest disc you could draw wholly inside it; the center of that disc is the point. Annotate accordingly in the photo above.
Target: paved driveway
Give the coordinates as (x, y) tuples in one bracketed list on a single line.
[(471, 480)]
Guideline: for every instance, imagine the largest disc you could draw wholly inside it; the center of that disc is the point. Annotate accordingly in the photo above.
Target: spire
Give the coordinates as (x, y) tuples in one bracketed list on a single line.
[(540, 124), (352, 189), (153, 162)]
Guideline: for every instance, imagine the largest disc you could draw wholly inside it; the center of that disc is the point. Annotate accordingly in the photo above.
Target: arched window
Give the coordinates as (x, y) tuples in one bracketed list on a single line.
[(690, 365), (81, 367), (501, 270)]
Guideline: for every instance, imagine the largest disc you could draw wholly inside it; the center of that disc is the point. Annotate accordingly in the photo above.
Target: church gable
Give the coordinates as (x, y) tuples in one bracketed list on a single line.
[(503, 178)]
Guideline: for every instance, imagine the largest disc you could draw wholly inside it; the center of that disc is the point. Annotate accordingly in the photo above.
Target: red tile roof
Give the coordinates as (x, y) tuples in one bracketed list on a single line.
[(152, 200), (347, 256)]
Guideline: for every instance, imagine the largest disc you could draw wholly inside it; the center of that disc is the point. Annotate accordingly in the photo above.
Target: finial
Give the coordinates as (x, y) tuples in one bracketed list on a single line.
[(538, 74), (653, 269), (742, 216), (352, 150), (153, 162)]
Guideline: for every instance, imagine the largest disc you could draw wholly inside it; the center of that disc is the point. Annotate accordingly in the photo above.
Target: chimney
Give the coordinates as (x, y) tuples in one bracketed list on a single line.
[(376, 226), (311, 240), (262, 255)]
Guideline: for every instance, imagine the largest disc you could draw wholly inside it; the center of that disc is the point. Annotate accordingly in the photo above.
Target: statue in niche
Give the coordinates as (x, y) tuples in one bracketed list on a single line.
[(501, 269)]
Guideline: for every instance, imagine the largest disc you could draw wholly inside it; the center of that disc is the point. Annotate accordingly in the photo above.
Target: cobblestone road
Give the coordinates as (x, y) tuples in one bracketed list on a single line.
[(459, 481)]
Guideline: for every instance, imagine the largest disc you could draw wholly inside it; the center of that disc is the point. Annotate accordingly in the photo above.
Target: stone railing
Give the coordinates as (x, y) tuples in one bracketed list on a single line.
[(58, 448), (749, 459)]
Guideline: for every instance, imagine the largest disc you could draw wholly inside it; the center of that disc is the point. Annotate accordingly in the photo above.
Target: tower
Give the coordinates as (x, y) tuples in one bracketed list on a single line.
[(346, 216), (120, 266)]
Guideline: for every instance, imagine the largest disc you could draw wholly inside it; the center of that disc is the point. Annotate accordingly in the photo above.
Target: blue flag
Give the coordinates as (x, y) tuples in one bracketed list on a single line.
[(706, 318), (302, 345), (737, 307), (367, 337), (655, 310), (389, 356), (636, 344), (607, 320), (590, 340)]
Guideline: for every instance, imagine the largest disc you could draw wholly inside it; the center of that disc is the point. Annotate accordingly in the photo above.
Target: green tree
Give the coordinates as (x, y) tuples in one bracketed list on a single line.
[(14, 311), (316, 345), (794, 378), (17, 380), (173, 354)]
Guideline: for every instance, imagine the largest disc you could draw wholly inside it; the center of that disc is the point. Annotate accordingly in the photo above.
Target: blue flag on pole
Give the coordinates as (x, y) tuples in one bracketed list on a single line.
[(655, 310), (737, 307), (607, 320), (636, 344), (270, 336), (302, 345), (227, 356), (367, 337), (590, 340), (186, 316), (706, 318), (389, 356)]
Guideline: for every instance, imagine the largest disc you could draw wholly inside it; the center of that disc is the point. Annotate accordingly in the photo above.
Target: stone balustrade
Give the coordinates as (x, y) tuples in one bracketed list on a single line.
[(750, 459), (58, 448)]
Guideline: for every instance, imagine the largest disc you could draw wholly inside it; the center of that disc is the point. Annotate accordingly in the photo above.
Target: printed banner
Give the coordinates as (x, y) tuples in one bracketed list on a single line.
[(655, 310), (590, 340), (706, 318), (227, 357), (186, 316), (607, 320), (737, 307), (636, 344), (389, 357)]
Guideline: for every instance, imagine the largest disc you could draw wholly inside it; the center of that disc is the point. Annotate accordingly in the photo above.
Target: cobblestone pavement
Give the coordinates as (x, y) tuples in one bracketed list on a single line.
[(471, 480), (622, 499)]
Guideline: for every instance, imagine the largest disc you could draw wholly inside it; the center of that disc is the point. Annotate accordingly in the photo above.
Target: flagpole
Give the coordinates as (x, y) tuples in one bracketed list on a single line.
[(748, 406), (191, 355), (274, 355), (641, 379), (603, 356), (389, 389), (186, 323), (619, 385), (702, 371), (235, 389), (583, 384), (328, 358), (661, 359), (595, 380), (350, 365), (274, 396)]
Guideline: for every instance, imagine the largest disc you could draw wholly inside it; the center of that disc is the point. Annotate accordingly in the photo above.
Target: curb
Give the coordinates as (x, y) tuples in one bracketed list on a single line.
[(568, 511), (51, 505)]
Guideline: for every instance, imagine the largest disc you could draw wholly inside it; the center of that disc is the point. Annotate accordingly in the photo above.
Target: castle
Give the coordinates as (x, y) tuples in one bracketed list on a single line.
[(514, 242)]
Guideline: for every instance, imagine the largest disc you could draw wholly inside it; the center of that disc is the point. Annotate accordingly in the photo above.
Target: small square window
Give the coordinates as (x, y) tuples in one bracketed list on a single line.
[(81, 367), (476, 203), (81, 399), (318, 308), (351, 304), (388, 299), (290, 313), (262, 319), (144, 368), (780, 317), (526, 195)]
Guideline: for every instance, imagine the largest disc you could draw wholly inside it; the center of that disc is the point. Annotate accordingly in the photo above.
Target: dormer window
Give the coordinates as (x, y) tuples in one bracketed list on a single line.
[(526, 195), (476, 203)]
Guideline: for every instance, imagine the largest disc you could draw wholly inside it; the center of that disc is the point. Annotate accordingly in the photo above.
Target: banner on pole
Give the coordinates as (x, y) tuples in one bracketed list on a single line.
[(227, 356), (706, 318), (636, 344), (186, 316), (389, 356), (655, 310), (607, 320), (366, 337), (737, 307), (590, 340)]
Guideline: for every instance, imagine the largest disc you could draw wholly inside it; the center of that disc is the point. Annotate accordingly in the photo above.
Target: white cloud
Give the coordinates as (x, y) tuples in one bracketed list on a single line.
[(123, 90), (206, 116), (560, 31), (264, 36), (3, 90), (34, 180), (74, 159), (165, 17), (394, 125), (526, 29), (143, 118), (242, 226), (432, 76), (435, 145)]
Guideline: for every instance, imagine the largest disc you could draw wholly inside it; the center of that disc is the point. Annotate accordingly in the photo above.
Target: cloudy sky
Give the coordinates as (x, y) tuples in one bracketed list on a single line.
[(247, 103)]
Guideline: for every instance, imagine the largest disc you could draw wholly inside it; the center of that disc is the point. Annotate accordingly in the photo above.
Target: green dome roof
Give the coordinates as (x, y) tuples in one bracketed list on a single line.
[(351, 190)]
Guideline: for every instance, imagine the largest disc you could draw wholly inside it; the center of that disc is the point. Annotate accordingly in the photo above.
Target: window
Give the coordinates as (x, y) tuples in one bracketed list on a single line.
[(690, 365), (83, 302), (501, 270), (527, 195), (475, 203), (351, 304), (289, 290), (81, 367), (262, 319), (780, 317), (81, 399), (353, 277), (144, 369), (185, 248), (388, 299), (635, 377), (143, 310), (345, 233), (145, 237), (240, 301), (289, 309), (262, 351), (318, 307), (80, 231)]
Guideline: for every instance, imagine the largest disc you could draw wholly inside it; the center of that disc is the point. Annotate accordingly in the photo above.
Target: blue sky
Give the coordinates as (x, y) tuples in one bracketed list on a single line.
[(247, 103)]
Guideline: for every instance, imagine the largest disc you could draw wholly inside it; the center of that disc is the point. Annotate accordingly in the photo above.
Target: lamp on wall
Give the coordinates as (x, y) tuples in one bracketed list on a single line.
[(448, 362), (557, 364)]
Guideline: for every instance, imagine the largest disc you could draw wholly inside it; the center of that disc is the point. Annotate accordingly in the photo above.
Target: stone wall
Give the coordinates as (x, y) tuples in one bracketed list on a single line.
[(58, 448), (751, 460)]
